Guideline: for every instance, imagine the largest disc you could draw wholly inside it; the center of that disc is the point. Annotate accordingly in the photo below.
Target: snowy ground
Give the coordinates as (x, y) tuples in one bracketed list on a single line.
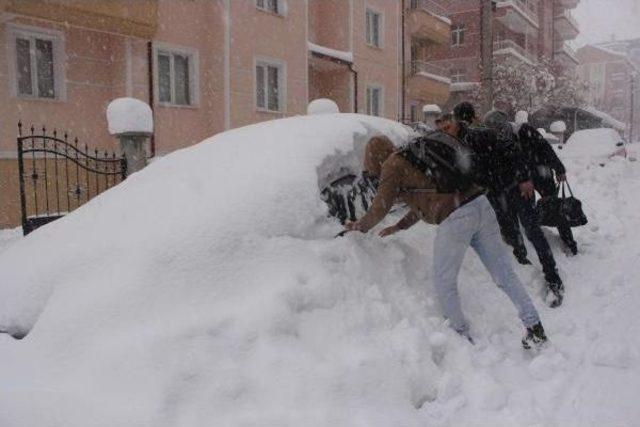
[(8, 237), (266, 320)]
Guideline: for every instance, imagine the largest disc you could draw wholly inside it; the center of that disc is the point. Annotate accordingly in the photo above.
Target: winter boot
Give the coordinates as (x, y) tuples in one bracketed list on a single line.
[(555, 294), (535, 337)]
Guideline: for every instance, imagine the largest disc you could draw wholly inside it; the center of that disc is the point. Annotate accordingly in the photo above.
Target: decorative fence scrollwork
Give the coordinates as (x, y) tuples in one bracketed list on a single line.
[(57, 175)]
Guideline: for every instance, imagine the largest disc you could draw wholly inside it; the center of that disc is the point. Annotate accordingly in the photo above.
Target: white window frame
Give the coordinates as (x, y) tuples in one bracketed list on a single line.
[(282, 84), (15, 31), (281, 6), (194, 74), (367, 30), (458, 75), (457, 30), (368, 99), (414, 107)]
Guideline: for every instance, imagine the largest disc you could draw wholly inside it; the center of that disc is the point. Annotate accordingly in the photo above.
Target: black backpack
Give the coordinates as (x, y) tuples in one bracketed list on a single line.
[(452, 164)]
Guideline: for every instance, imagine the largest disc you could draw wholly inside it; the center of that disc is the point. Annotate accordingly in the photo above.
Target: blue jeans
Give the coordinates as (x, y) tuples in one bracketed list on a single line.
[(474, 224)]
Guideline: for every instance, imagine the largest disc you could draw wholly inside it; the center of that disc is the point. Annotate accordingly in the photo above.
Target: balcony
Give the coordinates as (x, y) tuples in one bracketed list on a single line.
[(566, 56), (427, 20), (566, 26), (128, 17), (513, 49), (427, 82), (568, 4), (520, 16)]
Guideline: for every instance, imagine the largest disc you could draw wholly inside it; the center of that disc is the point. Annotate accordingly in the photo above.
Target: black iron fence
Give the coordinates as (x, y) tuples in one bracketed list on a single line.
[(57, 175)]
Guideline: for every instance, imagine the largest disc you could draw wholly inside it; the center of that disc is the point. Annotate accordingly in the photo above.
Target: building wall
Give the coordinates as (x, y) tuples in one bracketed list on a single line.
[(378, 66)]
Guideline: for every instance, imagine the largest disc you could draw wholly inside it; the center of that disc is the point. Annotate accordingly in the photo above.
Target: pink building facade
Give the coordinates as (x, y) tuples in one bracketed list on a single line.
[(203, 66)]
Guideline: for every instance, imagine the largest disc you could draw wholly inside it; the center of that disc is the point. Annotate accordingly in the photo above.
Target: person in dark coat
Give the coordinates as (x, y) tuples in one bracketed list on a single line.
[(513, 200), (543, 162)]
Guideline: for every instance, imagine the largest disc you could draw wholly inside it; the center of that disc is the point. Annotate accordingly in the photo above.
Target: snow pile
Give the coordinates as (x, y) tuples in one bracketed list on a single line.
[(208, 289), (129, 115), (591, 145), (606, 118), (322, 106), (431, 109)]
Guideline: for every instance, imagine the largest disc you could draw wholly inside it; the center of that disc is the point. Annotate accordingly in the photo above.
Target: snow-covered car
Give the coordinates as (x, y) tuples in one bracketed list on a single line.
[(593, 146)]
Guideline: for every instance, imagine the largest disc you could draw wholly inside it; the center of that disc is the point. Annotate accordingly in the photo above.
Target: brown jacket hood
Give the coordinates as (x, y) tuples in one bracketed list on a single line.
[(377, 150)]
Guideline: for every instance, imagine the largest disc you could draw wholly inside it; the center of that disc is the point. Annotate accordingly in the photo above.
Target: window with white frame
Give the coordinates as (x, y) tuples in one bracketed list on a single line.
[(38, 67), (374, 100), (273, 6), (458, 75), (457, 35), (373, 28), (269, 86), (413, 113), (177, 79)]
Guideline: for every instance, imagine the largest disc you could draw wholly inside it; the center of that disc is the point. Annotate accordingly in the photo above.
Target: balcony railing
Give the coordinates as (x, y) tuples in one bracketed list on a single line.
[(569, 17), (429, 6), (510, 44), (429, 68), (526, 7), (569, 51)]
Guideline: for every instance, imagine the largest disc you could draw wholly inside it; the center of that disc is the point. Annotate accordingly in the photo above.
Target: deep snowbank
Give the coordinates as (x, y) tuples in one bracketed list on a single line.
[(208, 290)]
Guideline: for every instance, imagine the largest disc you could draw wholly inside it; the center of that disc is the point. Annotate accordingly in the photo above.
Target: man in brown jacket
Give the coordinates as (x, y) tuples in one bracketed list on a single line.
[(464, 219)]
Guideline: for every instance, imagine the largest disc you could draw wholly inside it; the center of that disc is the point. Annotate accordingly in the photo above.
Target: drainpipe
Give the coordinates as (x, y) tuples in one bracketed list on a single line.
[(355, 88), (403, 60), (152, 139)]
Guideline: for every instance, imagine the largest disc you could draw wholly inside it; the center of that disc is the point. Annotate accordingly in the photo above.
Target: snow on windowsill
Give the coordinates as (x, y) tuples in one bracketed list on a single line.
[(333, 53)]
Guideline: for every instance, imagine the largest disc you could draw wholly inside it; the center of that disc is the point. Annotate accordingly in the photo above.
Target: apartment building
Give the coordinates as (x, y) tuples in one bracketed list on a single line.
[(523, 31), (203, 65), (613, 83)]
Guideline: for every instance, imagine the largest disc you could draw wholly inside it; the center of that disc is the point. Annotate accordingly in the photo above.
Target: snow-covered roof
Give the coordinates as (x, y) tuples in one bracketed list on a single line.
[(435, 77), (463, 86), (333, 53)]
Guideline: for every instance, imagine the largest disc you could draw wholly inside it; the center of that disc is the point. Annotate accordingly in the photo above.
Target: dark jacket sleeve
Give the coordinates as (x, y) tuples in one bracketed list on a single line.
[(551, 158)]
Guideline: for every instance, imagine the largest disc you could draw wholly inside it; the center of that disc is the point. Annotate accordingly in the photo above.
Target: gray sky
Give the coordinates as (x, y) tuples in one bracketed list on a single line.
[(600, 19)]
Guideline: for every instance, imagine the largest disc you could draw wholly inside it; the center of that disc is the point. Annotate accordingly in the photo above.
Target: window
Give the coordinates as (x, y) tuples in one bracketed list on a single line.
[(374, 100), (457, 35), (413, 113), (177, 76), (373, 28), (458, 75), (272, 6), (37, 64), (269, 86)]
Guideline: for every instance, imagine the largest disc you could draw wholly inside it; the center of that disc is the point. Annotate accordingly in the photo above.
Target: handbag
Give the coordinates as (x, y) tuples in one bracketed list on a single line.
[(571, 209), (554, 211)]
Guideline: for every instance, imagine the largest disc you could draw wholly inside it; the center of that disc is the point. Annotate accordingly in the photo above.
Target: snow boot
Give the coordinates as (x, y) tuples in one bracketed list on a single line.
[(555, 294), (535, 337)]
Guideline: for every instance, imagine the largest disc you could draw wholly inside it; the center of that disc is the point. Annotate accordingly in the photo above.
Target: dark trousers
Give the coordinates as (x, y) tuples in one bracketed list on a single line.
[(511, 210)]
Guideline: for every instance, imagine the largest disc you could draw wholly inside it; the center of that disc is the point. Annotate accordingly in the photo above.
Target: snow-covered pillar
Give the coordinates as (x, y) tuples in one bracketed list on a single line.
[(558, 129), (430, 113), (131, 121)]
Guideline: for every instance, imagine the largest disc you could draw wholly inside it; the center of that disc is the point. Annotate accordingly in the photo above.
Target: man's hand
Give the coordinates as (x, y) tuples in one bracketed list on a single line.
[(352, 226), (526, 189), (561, 177), (389, 231)]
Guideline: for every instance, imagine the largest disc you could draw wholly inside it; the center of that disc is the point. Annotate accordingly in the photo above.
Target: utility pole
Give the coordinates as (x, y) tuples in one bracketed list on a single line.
[(632, 112), (486, 53)]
